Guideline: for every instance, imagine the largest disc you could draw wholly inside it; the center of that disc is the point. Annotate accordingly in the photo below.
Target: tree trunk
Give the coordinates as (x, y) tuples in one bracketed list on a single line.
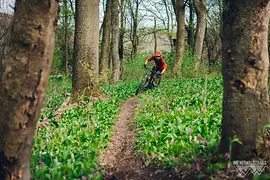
[(105, 43), (245, 75), (210, 49), (155, 35), (115, 41), (190, 38), (200, 8), (122, 30), (134, 35), (168, 26), (24, 82), (179, 9), (134, 26), (85, 72), (5, 20), (66, 37)]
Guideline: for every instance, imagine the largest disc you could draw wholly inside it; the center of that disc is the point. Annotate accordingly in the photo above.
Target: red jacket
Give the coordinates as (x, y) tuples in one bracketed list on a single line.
[(159, 61)]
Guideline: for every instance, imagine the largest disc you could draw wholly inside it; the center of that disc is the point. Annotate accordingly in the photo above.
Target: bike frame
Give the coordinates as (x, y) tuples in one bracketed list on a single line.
[(147, 81)]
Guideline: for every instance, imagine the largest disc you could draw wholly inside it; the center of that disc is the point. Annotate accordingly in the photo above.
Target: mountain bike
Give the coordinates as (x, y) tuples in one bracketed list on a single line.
[(149, 81)]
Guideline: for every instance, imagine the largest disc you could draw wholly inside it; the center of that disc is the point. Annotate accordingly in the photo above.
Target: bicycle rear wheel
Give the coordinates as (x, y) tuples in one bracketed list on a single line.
[(156, 81)]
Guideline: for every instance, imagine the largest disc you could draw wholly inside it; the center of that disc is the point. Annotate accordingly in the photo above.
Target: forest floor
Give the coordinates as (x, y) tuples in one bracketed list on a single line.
[(120, 161), (122, 126)]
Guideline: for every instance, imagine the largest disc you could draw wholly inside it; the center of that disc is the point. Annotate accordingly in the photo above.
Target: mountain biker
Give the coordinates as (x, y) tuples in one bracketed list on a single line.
[(160, 63)]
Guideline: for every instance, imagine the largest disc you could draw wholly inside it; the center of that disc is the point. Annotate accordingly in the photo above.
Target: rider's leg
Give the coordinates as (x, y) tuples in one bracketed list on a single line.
[(158, 75), (159, 70), (153, 73)]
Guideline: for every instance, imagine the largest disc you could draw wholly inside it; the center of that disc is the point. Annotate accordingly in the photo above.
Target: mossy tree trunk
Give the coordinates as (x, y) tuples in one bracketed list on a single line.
[(86, 64), (245, 75), (24, 82), (179, 9), (105, 43)]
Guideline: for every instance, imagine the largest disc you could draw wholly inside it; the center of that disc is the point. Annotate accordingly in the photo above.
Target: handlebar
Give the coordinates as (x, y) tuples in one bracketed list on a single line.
[(158, 73), (145, 66)]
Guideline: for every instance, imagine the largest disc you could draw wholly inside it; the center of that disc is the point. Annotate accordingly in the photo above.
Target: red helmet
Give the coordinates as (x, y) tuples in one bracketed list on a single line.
[(158, 53)]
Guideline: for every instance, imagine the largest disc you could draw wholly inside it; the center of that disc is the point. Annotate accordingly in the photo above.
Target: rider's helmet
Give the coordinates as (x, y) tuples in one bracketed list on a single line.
[(158, 53)]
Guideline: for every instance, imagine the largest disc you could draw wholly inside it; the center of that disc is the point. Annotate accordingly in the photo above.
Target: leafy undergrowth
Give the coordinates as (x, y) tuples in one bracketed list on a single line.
[(172, 124), (69, 145), (180, 121), (121, 91), (59, 88)]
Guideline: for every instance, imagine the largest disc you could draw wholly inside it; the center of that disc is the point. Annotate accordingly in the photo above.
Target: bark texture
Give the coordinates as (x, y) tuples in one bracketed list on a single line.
[(200, 8), (105, 43), (135, 17), (122, 30), (245, 75), (190, 29), (24, 82), (86, 63), (115, 41), (5, 20), (66, 37), (179, 9)]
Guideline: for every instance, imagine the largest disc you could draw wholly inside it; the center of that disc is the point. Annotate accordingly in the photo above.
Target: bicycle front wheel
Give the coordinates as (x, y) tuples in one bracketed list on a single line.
[(142, 86)]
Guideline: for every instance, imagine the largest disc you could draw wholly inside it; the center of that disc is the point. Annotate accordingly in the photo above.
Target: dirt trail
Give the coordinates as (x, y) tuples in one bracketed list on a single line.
[(119, 161)]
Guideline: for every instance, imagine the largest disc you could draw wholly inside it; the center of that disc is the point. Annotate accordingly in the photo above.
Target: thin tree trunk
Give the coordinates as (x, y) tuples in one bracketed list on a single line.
[(245, 76), (210, 49), (115, 41), (122, 30), (134, 26), (101, 29), (66, 37), (86, 64), (105, 43), (130, 37), (190, 38), (200, 8), (134, 36), (155, 34), (179, 9), (168, 22), (24, 82)]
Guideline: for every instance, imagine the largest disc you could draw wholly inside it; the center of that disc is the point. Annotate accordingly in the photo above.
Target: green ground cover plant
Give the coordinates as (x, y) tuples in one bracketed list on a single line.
[(121, 91), (179, 122), (175, 124), (59, 88), (68, 147)]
